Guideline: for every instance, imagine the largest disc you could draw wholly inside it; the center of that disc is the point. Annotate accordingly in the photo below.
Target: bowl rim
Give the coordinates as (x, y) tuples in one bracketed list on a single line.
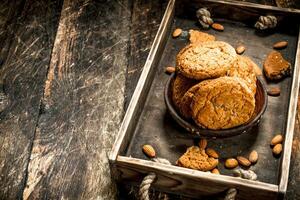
[(197, 131)]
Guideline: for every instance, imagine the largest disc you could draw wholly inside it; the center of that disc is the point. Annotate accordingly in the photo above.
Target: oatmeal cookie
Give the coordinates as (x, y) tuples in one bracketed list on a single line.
[(181, 84), (185, 103), (243, 68), (276, 67), (198, 36), (196, 158), (222, 103), (206, 60)]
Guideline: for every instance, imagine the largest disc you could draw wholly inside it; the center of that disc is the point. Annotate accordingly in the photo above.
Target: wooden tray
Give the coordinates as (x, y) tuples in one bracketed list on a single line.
[(148, 122)]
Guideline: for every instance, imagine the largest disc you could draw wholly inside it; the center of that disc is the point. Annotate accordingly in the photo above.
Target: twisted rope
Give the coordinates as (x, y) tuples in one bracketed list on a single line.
[(204, 18), (265, 22), (246, 174), (149, 179)]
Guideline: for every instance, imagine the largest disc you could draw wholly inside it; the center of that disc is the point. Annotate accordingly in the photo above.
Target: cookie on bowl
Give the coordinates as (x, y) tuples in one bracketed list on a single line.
[(180, 85), (185, 103), (244, 68), (196, 158), (205, 60), (222, 103)]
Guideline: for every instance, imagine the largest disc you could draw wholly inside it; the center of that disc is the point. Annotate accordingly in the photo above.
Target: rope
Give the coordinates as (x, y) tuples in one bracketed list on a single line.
[(246, 174), (149, 179), (231, 194), (204, 18), (265, 22)]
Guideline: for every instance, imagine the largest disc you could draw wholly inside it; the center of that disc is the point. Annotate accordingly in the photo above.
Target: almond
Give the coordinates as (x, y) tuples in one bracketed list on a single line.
[(231, 163), (149, 150), (177, 32), (274, 91), (253, 156), (277, 139), (215, 171), (170, 70), (280, 45), (277, 149), (240, 49), (202, 143), (217, 27), (212, 153), (243, 161)]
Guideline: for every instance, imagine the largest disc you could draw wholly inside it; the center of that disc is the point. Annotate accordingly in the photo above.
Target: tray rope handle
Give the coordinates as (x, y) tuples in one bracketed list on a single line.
[(264, 22), (150, 178)]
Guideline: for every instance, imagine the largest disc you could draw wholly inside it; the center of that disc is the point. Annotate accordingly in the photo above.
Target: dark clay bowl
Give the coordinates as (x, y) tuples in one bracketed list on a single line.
[(260, 107)]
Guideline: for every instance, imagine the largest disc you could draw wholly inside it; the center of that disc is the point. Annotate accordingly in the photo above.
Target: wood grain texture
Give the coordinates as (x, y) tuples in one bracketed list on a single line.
[(145, 20), (82, 103), (27, 32), (293, 191)]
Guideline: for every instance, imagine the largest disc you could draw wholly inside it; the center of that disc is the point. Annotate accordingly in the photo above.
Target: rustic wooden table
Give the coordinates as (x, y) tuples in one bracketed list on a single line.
[(67, 71)]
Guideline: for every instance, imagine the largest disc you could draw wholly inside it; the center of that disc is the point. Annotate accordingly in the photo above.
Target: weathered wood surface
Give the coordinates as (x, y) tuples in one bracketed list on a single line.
[(96, 48), (145, 20), (82, 104), (27, 31)]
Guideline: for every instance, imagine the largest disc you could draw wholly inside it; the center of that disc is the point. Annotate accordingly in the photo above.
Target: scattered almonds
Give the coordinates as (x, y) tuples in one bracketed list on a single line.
[(240, 49), (177, 32), (280, 45), (277, 139), (212, 153), (231, 163), (170, 70), (277, 149), (253, 156), (217, 27), (274, 91), (149, 150), (243, 161), (215, 171), (203, 143)]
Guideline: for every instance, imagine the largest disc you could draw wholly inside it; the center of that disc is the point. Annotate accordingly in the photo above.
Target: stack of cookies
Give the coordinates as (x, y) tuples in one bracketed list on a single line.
[(214, 86)]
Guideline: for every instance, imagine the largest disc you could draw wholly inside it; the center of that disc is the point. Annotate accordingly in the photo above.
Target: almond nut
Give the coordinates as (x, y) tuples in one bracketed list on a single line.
[(243, 161), (274, 91), (277, 149), (212, 153), (170, 70), (177, 32), (280, 45), (231, 163), (253, 156), (215, 171), (149, 150), (203, 143), (277, 139), (217, 27), (240, 49)]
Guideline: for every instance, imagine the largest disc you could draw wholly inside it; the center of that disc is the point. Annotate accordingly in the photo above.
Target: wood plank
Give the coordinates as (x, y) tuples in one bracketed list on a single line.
[(293, 191), (83, 103), (145, 20), (27, 34)]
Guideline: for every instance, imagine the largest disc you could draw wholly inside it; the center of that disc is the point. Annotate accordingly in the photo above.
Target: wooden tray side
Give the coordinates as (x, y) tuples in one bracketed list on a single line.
[(191, 182), (288, 142)]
